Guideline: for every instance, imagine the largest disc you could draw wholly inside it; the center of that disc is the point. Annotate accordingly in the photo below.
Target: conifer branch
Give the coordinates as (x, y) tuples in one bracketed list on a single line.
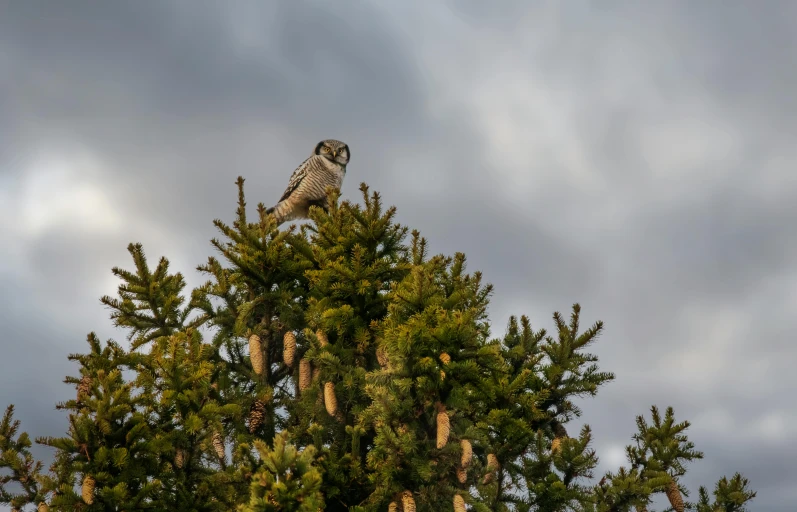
[(388, 391)]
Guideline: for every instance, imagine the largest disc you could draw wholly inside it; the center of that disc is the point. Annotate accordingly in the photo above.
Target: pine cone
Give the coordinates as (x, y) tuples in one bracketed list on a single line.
[(304, 374), (462, 475), (393, 507), (443, 428), (641, 508), (445, 358), (43, 507), (340, 416), (316, 373), (322, 338), (87, 491), (492, 468), (407, 502), (330, 400), (459, 503), (83, 388), (467, 453), (381, 357), (218, 444), (257, 413), (288, 348), (674, 495), (256, 353), (179, 458), (442, 375), (560, 433)]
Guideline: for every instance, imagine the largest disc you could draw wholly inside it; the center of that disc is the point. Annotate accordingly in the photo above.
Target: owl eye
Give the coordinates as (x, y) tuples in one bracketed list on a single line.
[(325, 149)]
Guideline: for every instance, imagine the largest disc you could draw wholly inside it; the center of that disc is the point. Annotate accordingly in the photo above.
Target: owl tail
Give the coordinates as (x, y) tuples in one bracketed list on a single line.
[(280, 211)]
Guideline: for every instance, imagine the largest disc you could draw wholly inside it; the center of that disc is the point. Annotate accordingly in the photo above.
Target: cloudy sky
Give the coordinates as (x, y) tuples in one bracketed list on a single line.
[(635, 157)]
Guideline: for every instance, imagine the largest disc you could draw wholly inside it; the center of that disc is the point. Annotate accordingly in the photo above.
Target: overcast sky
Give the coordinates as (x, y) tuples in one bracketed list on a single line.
[(635, 157)]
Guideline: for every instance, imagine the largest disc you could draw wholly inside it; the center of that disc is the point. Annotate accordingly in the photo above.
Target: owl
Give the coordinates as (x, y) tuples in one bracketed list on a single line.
[(307, 187)]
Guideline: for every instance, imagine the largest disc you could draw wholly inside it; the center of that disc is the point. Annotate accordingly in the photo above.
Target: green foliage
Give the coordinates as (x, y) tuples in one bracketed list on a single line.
[(287, 480), (729, 496), (394, 380), (656, 460), (107, 436), (22, 468), (149, 301), (662, 447)]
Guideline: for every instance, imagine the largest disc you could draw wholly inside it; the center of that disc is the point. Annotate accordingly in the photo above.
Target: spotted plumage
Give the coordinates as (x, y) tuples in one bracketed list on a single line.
[(308, 183)]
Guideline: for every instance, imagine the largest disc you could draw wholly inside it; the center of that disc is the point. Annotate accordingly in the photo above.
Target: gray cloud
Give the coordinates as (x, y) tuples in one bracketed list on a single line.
[(635, 158)]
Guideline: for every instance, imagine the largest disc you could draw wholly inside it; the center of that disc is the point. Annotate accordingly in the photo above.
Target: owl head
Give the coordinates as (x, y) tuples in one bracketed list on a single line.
[(334, 150)]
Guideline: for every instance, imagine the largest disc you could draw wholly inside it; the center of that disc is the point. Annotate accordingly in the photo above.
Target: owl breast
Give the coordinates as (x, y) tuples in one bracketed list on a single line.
[(339, 174)]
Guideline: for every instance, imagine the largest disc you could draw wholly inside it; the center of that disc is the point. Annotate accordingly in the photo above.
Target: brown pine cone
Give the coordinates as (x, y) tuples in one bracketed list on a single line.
[(256, 353), (330, 400), (674, 495), (87, 490), (443, 426), (179, 458), (257, 414), (407, 502), (288, 348), (492, 468), (560, 434), (467, 453), (83, 388), (381, 357), (304, 374), (218, 444)]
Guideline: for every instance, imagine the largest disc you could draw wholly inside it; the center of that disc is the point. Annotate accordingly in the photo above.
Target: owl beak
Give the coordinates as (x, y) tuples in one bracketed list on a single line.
[(334, 153)]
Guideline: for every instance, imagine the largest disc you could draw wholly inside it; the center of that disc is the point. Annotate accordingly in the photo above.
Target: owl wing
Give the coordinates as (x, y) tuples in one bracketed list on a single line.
[(296, 179)]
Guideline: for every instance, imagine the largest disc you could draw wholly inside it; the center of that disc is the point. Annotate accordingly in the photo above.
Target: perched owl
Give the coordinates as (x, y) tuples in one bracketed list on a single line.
[(308, 183)]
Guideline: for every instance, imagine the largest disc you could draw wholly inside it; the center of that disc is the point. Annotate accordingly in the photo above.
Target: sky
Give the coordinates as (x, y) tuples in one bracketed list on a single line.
[(635, 157)]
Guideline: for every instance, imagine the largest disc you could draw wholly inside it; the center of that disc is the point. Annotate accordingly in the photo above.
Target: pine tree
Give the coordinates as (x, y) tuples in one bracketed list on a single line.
[(288, 479), (105, 458), (661, 451), (22, 468), (729, 496), (337, 366)]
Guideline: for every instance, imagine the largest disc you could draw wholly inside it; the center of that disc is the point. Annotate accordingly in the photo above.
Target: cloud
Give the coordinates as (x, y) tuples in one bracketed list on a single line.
[(56, 193)]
